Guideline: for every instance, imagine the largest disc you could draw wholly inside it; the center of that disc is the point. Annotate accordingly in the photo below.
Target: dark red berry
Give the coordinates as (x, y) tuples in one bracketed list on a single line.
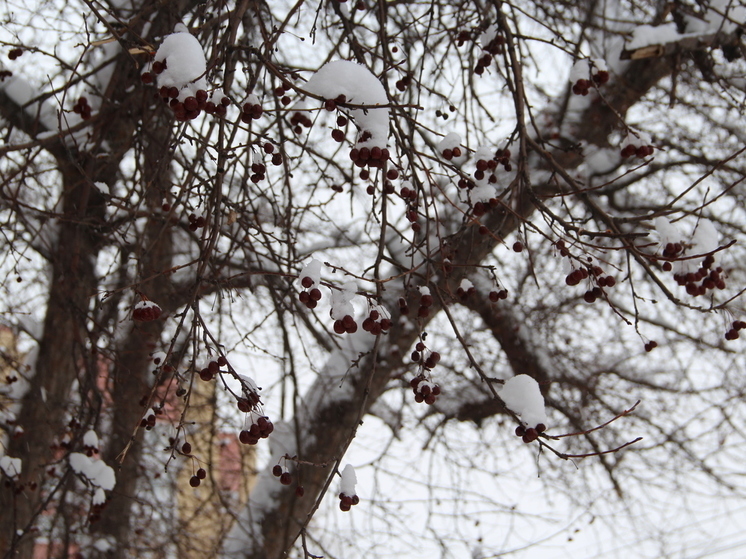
[(277, 470)]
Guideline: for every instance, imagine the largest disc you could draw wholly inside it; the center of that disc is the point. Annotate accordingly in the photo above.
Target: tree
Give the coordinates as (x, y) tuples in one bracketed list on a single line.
[(189, 190)]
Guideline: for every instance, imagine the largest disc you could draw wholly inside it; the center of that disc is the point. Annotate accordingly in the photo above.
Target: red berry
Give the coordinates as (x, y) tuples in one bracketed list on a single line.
[(201, 473), (299, 491), (277, 470), (194, 481), (286, 478)]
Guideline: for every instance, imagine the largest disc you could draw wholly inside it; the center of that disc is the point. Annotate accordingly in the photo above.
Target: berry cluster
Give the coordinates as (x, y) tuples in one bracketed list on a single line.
[(403, 83), (196, 479), (369, 157), (148, 422), (347, 501), (286, 478), (483, 166), (426, 301), (450, 153), (312, 297), (583, 87), (560, 246), (281, 91), (212, 369), (90, 450), (258, 172), (631, 150), (15, 53), (424, 390), (710, 279), (462, 37), (346, 325), (299, 120), (375, 324), (409, 195), (82, 108), (251, 111), (465, 289), (432, 360), (495, 296), (495, 46), (650, 346), (260, 428), (484, 61), (737, 325), (192, 106), (590, 296), (196, 222), (146, 311), (530, 434)]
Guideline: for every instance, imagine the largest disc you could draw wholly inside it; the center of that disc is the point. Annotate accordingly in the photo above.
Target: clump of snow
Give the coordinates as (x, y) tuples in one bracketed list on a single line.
[(522, 395), (482, 193), (185, 63), (704, 240), (99, 496), (360, 87), (312, 271), (667, 231), (721, 15), (705, 237), (466, 284), (146, 305), (11, 467), (342, 301), (585, 68), (90, 439), (646, 35), (637, 139), (159, 358), (349, 480), (449, 141), (104, 544), (95, 470), (488, 36), (424, 290)]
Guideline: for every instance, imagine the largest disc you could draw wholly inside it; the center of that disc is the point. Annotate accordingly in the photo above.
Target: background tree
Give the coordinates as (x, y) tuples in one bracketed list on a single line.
[(188, 193)]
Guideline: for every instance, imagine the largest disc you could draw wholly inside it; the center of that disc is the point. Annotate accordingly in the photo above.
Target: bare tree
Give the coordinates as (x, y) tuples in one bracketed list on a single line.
[(379, 212)]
